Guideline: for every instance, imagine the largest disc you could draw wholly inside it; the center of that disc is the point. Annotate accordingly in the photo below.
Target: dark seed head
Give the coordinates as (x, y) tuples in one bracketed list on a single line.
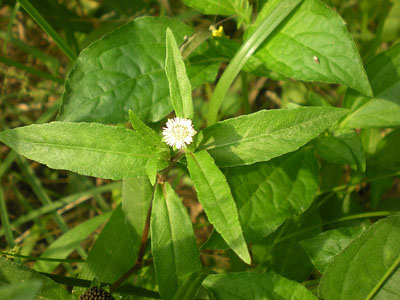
[(95, 293)]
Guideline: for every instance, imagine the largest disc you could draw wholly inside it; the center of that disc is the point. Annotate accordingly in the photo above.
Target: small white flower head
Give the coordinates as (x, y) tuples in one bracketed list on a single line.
[(179, 132)]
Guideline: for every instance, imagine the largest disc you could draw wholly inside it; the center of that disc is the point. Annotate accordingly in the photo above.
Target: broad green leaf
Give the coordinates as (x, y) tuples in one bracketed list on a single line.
[(368, 267), (323, 248), (88, 149), (180, 89), (189, 289), (268, 193), (343, 147), (216, 198), (266, 134), (121, 71), (145, 132), (136, 197), (265, 286), (386, 158), (20, 291), (68, 242), (16, 273), (313, 45), (173, 243), (202, 69), (114, 251), (383, 110), (281, 250), (272, 21), (241, 8)]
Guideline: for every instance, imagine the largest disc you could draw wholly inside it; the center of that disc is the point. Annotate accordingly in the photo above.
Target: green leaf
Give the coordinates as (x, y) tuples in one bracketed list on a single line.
[(343, 147), (172, 241), (267, 26), (386, 158), (114, 251), (367, 267), (264, 135), (15, 273), (268, 193), (384, 109), (21, 291), (313, 45), (201, 69), (88, 149), (189, 289), (68, 242), (241, 8), (136, 197), (216, 198), (266, 286), (180, 89), (281, 251), (323, 248), (146, 133), (121, 71)]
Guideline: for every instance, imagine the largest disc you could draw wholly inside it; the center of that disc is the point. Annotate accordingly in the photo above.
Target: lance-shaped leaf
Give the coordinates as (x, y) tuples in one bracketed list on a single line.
[(145, 132), (172, 241), (313, 45), (189, 289), (88, 149), (122, 70), (180, 89), (15, 273), (21, 290), (384, 109), (369, 267), (265, 134), (216, 198), (343, 147), (270, 192), (323, 248), (267, 286), (107, 260)]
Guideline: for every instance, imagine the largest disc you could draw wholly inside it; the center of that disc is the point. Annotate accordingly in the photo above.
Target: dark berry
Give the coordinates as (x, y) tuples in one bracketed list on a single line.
[(96, 293)]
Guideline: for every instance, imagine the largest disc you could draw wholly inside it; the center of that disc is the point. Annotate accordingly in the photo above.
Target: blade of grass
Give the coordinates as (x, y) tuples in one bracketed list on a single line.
[(9, 26), (31, 10), (52, 62), (64, 24), (13, 63), (5, 220), (268, 25), (7, 162), (68, 242), (37, 187), (60, 203)]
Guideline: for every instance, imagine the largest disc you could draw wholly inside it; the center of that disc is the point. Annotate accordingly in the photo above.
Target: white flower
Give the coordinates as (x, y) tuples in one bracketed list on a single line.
[(179, 132)]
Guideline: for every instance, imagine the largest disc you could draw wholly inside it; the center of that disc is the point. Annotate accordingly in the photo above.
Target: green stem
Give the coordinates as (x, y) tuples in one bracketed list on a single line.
[(267, 26), (383, 279), (42, 258)]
